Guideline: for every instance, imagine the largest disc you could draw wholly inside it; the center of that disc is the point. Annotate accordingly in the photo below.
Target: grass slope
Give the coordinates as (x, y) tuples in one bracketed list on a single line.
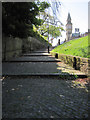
[(76, 47)]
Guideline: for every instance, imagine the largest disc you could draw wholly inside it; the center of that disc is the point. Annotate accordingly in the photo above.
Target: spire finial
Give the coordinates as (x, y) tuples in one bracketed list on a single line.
[(69, 18)]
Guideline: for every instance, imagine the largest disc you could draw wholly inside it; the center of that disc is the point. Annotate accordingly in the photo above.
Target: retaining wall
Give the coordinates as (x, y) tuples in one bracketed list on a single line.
[(32, 44), (13, 47), (76, 62)]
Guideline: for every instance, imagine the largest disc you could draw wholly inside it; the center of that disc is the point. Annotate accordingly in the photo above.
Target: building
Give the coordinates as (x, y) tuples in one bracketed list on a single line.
[(69, 34), (68, 28), (76, 34)]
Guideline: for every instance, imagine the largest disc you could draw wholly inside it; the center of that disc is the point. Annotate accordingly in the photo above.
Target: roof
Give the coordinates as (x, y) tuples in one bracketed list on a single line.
[(69, 17)]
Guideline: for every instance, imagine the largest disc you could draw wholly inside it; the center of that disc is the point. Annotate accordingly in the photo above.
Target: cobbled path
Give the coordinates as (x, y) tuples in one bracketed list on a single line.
[(41, 96)]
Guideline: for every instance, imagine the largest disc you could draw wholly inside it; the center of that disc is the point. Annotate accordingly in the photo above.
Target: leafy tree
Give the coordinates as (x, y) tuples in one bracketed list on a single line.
[(53, 30), (18, 18), (49, 25)]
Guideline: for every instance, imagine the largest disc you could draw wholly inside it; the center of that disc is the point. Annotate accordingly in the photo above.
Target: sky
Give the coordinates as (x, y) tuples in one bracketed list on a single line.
[(89, 15), (78, 10)]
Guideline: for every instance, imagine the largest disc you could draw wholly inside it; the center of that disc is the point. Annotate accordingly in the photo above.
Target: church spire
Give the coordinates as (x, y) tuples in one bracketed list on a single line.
[(69, 18)]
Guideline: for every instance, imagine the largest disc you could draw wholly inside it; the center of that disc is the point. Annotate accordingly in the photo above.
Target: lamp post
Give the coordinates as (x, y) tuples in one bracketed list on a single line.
[(48, 33), (48, 39)]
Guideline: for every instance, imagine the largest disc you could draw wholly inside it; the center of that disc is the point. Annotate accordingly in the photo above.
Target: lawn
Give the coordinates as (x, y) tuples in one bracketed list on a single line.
[(76, 47)]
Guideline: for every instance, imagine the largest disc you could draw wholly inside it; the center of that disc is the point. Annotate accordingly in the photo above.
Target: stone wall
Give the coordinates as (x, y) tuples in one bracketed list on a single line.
[(11, 47), (76, 62), (32, 44)]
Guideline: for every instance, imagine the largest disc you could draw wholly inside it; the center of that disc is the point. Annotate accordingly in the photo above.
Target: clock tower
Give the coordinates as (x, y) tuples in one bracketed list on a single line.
[(68, 28)]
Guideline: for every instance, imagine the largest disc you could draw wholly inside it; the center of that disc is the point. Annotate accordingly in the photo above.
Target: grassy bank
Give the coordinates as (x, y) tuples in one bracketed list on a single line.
[(76, 47)]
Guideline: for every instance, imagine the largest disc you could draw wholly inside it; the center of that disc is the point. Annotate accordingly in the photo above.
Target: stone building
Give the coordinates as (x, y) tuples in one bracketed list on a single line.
[(69, 34), (76, 34), (68, 28)]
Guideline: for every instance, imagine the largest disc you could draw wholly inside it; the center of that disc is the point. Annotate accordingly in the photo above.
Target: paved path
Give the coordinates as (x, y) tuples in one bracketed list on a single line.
[(34, 63), (41, 96)]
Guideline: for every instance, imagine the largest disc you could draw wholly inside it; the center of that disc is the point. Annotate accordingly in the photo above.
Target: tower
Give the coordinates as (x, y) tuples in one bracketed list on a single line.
[(68, 28)]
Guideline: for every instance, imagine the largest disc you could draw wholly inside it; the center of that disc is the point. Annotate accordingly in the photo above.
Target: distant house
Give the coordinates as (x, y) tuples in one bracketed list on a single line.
[(76, 34)]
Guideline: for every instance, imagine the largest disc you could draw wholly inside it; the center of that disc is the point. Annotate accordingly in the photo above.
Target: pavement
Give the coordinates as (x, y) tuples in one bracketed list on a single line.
[(39, 62), (31, 88)]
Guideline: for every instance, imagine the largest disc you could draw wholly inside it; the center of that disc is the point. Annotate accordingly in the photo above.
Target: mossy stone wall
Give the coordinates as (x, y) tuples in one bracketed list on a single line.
[(76, 62)]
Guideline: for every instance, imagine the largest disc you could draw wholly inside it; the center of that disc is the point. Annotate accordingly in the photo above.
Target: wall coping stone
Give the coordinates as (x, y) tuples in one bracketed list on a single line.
[(70, 55)]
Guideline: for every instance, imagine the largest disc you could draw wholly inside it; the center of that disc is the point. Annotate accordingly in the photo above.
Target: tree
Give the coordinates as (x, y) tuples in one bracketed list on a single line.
[(50, 23), (53, 30), (18, 18)]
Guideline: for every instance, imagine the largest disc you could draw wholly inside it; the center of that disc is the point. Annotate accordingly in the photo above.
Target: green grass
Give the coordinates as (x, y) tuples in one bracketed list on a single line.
[(76, 47)]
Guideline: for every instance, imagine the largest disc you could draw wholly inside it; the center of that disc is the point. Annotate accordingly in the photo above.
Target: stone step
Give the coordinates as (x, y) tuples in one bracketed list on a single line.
[(28, 68), (33, 58), (59, 75), (46, 51), (32, 61), (36, 54)]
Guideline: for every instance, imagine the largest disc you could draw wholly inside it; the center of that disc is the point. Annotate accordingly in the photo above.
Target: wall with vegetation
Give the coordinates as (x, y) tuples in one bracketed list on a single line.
[(76, 62), (13, 47), (32, 44)]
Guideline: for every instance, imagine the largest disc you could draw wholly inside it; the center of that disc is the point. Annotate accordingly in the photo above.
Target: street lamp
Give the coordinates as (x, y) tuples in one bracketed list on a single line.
[(48, 33)]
